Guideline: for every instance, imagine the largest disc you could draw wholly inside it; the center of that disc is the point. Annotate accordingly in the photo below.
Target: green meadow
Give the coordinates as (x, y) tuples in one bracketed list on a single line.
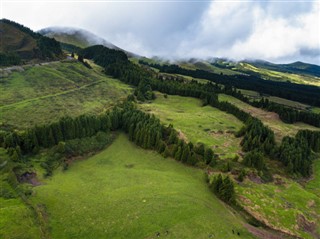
[(313, 184), (44, 93), (195, 123), (127, 192)]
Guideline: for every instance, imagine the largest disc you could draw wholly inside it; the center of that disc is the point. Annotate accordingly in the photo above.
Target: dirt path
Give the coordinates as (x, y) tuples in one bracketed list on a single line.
[(263, 233), (49, 96)]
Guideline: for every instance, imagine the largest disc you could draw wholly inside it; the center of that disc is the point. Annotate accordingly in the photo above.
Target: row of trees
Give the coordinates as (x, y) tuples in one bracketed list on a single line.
[(302, 93), (66, 128), (287, 114), (144, 129), (9, 59), (256, 135), (295, 154), (147, 131)]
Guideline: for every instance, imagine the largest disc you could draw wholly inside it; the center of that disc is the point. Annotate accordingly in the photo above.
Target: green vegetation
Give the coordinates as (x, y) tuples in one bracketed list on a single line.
[(43, 94), (284, 205), (195, 123), (313, 184), (21, 43), (133, 193), (290, 103), (280, 76), (270, 119), (223, 188), (203, 65), (17, 220)]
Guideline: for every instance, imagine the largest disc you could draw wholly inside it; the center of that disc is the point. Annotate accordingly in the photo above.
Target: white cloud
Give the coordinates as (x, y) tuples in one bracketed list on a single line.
[(244, 30), (271, 30)]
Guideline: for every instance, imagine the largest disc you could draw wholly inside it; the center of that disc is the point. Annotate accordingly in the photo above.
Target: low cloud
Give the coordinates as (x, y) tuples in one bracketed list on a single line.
[(271, 30)]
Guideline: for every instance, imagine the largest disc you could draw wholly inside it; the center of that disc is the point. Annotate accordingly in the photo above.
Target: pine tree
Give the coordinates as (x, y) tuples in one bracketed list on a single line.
[(178, 154), (185, 154), (208, 155)]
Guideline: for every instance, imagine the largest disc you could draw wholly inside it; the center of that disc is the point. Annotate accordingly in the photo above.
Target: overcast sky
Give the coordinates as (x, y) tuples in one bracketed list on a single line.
[(278, 31)]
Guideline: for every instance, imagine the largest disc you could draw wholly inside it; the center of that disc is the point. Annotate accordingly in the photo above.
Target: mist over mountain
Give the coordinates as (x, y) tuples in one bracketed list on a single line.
[(78, 37)]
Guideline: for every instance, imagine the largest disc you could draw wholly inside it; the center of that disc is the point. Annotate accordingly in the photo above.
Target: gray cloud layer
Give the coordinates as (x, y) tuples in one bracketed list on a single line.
[(278, 31)]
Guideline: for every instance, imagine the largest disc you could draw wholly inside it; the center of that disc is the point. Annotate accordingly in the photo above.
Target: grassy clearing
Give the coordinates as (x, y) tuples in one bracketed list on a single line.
[(281, 204), (44, 93), (133, 193), (198, 124), (17, 220), (271, 119), (313, 184)]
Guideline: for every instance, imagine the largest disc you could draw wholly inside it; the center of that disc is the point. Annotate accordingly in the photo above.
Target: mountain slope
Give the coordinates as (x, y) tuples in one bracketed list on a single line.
[(22, 43), (295, 67), (78, 37)]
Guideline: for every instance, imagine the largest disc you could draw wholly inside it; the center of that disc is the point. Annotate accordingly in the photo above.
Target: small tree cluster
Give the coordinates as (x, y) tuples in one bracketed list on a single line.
[(223, 188)]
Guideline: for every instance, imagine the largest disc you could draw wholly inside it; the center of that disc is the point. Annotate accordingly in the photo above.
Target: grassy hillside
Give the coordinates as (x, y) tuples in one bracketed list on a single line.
[(284, 205), (20, 44), (279, 76), (133, 193), (270, 119), (296, 67), (13, 39), (198, 124), (38, 94), (313, 184)]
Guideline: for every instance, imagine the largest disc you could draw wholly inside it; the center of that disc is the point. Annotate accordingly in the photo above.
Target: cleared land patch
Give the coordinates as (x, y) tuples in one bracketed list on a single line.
[(271, 119), (208, 125)]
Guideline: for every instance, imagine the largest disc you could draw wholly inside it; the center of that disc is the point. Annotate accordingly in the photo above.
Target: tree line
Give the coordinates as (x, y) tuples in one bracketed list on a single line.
[(143, 129), (256, 135), (291, 91)]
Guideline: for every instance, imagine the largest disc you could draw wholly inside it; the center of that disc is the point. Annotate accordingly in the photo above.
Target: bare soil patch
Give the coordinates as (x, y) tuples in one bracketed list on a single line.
[(263, 233), (308, 226), (29, 177)]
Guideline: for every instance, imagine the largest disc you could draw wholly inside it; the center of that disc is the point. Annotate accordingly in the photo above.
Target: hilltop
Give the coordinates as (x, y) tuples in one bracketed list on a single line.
[(20, 44), (79, 37)]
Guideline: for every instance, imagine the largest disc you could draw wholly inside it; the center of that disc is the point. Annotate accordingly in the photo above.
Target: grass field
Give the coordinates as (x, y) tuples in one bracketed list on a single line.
[(271, 119), (17, 220), (284, 205), (198, 124), (313, 184), (127, 192), (281, 76), (44, 93)]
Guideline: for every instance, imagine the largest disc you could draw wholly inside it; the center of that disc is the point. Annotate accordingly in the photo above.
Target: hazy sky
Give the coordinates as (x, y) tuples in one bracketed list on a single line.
[(279, 31)]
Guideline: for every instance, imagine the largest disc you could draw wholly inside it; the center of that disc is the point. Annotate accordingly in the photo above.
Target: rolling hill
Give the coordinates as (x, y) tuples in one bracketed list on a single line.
[(19, 43), (295, 67), (78, 37), (98, 145)]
